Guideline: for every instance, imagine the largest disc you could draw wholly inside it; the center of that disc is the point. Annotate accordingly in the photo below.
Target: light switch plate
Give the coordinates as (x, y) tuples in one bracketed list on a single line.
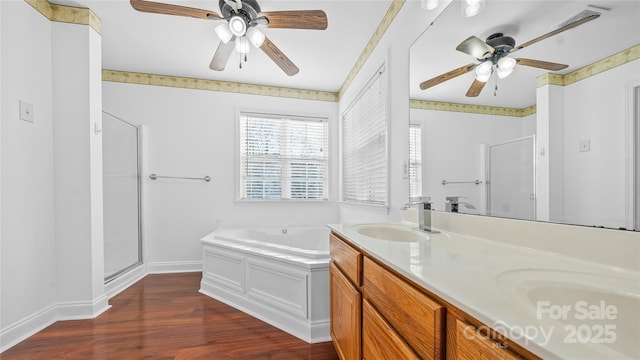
[(585, 145), (26, 111)]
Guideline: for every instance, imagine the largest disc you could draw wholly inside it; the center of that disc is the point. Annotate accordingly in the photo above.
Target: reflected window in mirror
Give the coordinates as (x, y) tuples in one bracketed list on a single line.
[(415, 161)]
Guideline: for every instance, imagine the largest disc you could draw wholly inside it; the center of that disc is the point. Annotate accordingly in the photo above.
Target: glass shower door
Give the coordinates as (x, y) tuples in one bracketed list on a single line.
[(511, 184), (121, 172)]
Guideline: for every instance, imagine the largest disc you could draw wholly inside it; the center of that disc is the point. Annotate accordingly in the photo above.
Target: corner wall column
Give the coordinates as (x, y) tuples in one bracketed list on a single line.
[(77, 112), (550, 150)]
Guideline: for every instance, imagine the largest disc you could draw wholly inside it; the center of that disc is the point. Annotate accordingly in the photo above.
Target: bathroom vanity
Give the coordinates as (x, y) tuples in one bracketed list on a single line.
[(397, 296), (377, 313)]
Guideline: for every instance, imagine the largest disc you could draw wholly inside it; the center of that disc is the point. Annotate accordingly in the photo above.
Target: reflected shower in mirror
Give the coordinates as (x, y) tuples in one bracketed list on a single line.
[(529, 110)]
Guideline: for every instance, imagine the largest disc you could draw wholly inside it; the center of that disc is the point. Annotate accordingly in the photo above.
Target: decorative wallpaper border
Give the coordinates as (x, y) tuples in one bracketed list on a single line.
[(472, 109), (621, 58), (393, 10), (215, 85), (84, 16), (67, 14)]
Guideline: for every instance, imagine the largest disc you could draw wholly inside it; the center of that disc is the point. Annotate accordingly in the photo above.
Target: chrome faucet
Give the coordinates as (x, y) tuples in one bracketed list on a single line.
[(424, 216), (452, 203)]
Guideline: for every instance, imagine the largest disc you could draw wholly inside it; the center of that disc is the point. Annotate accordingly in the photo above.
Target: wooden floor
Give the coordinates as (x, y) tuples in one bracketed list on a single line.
[(164, 317)]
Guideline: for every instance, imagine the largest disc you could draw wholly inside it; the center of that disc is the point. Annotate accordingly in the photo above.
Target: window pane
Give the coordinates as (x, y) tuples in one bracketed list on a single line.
[(283, 157), (415, 161)]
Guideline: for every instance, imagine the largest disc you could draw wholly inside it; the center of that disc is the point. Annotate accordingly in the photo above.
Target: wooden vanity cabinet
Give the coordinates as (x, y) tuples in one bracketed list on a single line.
[(380, 341), (378, 314), (470, 344), (414, 316), (345, 306)]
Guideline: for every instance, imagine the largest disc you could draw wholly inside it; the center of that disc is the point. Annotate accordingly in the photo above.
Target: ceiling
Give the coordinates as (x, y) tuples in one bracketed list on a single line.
[(434, 53), (181, 46)]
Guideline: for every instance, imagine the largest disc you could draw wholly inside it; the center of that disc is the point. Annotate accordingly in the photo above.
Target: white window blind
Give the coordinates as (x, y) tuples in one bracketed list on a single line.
[(364, 144), (415, 161), (283, 157)]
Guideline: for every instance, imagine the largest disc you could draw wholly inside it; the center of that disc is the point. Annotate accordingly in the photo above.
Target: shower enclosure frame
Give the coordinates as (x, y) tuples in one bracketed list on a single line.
[(635, 150), (534, 172), (140, 261)]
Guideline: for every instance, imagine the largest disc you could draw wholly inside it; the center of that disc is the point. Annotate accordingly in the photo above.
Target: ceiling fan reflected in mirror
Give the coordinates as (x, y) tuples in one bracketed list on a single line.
[(493, 55), (241, 29)]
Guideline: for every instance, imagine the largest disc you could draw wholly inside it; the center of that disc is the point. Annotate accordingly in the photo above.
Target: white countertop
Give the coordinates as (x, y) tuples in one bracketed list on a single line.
[(495, 283)]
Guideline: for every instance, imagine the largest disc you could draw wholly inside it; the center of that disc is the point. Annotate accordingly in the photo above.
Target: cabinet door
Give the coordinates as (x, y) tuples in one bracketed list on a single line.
[(417, 318), (346, 305), (379, 340), (471, 345)]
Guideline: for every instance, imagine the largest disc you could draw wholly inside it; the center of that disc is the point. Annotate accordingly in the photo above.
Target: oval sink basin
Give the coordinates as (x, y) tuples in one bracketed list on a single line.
[(583, 302), (390, 232)]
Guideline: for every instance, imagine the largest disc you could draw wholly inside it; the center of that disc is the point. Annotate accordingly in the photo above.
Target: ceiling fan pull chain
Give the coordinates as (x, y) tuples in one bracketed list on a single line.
[(495, 90)]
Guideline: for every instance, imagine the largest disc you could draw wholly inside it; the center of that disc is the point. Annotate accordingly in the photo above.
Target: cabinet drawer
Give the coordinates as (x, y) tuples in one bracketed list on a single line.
[(348, 259), (472, 345), (379, 340), (416, 318)]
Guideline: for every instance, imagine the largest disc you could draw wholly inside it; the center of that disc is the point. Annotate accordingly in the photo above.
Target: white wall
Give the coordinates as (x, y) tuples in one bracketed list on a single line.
[(51, 249), (28, 273), (192, 133), (393, 49), (595, 191), (453, 146), (77, 108)]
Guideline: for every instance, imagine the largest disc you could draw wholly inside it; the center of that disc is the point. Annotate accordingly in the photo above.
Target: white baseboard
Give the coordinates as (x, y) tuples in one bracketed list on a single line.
[(162, 267), (22, 329), (122, 282), (79, 310)]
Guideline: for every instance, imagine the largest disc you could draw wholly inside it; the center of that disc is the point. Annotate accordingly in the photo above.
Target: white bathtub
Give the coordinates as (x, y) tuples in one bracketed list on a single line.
[(277, 274)]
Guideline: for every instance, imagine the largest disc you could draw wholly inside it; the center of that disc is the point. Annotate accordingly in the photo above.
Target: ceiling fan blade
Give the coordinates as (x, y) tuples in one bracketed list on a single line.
[(557, 31), (222, 55), (297, 19), (170, 9), (475, 88), (447, 76), (278, 57), (475, 47), (542, 64)]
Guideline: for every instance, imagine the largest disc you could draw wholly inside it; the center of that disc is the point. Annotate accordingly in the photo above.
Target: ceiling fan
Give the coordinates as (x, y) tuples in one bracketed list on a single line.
[(493, 54), (243, 17)]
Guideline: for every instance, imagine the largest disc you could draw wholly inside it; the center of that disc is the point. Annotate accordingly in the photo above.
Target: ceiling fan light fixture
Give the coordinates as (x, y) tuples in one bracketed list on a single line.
[(255, 36), (223, 32), (237, 26), (472, 7), (430, 4), (484, 71), (505, 66), (242, 45)]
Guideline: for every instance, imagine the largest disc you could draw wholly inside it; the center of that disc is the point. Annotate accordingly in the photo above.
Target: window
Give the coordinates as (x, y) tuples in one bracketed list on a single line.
[(415, 161), (283, 157), (364, 144)]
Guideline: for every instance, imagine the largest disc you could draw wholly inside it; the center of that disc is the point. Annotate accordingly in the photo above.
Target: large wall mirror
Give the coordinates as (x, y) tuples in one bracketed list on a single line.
[(530, 110)]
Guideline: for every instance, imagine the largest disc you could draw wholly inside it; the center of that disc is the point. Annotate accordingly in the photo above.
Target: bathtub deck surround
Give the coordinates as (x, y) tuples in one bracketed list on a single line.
[(512, 277), (279, 275)]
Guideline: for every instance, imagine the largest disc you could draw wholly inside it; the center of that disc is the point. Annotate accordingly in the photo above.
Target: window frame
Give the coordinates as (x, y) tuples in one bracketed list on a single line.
[(238, 179)]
